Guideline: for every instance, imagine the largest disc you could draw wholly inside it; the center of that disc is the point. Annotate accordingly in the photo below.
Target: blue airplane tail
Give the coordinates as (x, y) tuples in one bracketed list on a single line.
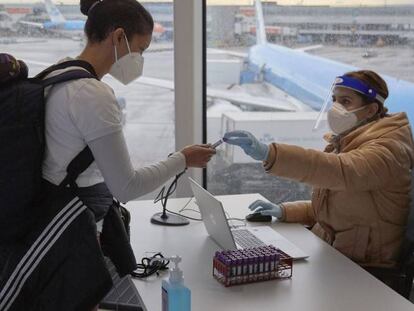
[(260, 25), (54, 13)]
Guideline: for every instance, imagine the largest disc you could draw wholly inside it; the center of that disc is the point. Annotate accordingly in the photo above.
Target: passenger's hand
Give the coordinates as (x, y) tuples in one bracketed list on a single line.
[(198, 155), (266, 208), (250, 145)]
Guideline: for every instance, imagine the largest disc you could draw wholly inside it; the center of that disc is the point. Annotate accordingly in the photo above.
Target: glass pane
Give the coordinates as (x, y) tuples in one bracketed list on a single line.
[(148, 109), (271, 79)]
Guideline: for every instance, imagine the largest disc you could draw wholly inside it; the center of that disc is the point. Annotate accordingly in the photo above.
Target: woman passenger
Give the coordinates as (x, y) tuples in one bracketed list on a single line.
[(67, 271)]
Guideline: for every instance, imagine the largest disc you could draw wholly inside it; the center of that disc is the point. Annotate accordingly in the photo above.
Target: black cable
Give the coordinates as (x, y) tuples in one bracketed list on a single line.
[(184, 208), (191, 210), (163, 197), (149, 266), (186, 204), (188, 217)]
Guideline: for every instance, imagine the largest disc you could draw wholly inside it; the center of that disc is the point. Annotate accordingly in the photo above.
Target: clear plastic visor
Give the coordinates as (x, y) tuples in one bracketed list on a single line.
[(327, 104), (349, 83)]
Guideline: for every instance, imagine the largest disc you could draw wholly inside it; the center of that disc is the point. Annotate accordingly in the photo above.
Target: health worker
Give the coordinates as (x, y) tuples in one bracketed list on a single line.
[(361, 181)]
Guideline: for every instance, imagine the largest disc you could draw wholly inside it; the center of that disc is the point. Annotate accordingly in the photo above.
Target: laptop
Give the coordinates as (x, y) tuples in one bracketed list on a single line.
[(124, 295), (216, 224)]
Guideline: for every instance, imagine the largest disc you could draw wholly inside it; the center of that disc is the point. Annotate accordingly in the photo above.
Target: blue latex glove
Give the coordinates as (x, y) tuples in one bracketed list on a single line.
[(250, 145), (266, 208)]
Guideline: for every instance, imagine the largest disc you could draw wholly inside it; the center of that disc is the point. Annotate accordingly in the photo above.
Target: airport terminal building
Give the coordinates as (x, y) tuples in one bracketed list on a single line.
[(290, 24), (344, 25), (311, 24)]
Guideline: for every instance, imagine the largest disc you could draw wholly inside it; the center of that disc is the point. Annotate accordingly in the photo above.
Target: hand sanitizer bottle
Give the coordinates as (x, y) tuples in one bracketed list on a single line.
[(175, 296)]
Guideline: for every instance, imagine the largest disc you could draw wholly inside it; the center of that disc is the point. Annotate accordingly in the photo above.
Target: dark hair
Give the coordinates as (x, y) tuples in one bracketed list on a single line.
[(11, 69), (107, 15), (376, 82)]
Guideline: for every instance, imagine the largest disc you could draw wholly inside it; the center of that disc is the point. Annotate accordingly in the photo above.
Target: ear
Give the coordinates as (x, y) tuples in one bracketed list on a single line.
[(373, 109), (117, 36)]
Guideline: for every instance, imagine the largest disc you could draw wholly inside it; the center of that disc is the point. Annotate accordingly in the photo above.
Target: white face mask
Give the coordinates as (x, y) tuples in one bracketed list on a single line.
[(341, 120), (129, 67)]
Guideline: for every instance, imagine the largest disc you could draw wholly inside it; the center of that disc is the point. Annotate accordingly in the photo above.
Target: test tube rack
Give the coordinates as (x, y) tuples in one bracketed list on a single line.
[(250, 265)]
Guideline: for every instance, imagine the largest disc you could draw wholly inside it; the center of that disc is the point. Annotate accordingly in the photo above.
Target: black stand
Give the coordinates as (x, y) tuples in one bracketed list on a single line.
[(164, 218), (168, 219)]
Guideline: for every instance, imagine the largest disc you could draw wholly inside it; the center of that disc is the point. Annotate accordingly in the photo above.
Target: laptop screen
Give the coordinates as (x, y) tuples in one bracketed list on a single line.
[(213, 216)]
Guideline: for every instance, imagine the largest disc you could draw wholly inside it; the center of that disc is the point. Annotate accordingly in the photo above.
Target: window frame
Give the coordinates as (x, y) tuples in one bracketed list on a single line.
[(190, 81)]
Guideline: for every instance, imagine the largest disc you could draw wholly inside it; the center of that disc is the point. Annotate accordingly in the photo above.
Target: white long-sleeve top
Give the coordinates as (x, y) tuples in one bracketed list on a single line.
[(85, 112)]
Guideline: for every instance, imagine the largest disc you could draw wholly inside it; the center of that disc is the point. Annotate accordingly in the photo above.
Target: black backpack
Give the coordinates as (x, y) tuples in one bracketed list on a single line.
[(22, 139)]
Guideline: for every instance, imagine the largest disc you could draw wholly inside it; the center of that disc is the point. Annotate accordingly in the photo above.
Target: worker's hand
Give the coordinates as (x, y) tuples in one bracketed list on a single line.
[(198, 155), (266, 208), (250, 145)]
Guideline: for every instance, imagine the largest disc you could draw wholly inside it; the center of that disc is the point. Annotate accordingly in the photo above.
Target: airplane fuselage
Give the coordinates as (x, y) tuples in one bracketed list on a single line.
[(66, 25), (309, 77)]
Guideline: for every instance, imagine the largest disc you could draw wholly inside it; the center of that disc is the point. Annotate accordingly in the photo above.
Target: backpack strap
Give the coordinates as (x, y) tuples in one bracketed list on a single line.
[(67, 76), (70, 63), (85, 158), (76, 167)]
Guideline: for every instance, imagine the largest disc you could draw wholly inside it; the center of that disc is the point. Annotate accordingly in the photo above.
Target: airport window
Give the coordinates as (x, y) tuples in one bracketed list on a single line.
[(28, 32), (275, 88)]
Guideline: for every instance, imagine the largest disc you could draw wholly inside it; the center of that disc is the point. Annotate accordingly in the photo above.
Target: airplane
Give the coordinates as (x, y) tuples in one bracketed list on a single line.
[(306, 79), (222, 97), (59, 23), (303, 76), (309, 77)]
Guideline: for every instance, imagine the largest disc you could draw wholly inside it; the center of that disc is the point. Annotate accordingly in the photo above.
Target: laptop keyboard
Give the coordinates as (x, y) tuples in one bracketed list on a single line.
[(123, 295), (246, 239)]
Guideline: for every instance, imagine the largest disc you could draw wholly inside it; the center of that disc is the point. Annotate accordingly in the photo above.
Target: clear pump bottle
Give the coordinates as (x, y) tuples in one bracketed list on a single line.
[(175, 295)]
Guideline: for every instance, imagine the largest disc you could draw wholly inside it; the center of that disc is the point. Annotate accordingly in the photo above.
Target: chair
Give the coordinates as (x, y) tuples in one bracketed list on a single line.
[(400, 278)]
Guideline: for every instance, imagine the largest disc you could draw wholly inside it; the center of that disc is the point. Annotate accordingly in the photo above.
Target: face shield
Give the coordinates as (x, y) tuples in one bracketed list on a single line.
[(349, 83)]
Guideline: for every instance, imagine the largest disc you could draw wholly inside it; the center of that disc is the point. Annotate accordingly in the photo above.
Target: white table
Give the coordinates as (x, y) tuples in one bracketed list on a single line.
[(326, 281)]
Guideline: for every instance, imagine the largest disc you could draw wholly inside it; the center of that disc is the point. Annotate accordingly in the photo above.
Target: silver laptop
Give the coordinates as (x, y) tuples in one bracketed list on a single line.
[(215, 221)]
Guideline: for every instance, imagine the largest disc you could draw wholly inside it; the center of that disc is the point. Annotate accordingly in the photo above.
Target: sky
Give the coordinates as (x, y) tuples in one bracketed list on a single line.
[(249, 2)]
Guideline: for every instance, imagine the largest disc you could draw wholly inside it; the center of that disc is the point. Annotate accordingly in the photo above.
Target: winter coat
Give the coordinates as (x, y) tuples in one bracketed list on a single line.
[(361, 194)]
